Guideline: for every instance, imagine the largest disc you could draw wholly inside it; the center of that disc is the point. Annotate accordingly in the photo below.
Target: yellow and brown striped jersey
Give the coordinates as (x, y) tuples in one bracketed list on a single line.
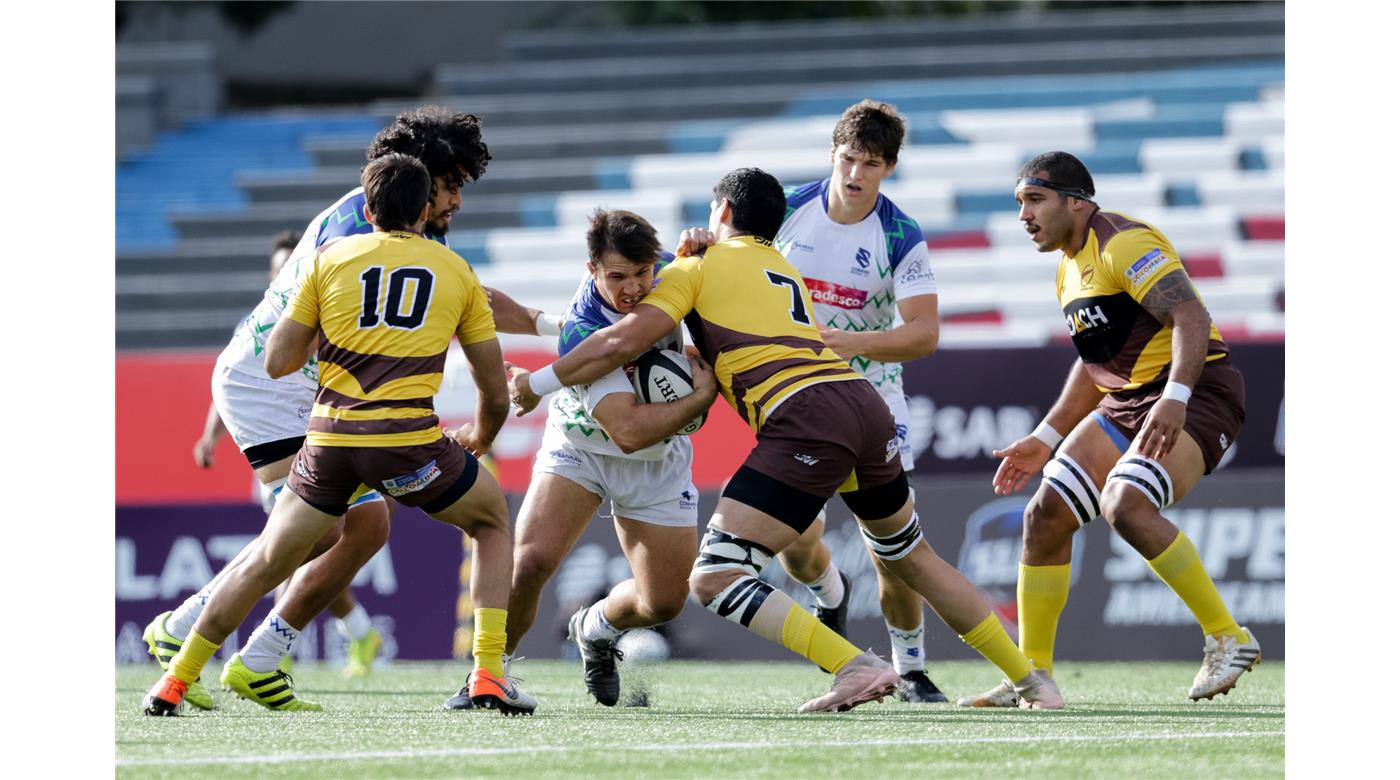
[(386, 306), (1101, 287), (751, 318)]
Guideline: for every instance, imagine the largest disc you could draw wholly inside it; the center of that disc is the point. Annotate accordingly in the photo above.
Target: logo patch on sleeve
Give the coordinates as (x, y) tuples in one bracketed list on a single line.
[(1145, 266)]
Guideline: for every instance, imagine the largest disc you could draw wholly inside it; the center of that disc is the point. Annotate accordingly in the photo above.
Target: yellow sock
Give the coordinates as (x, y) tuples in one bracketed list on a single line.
[(992, 641), (490, 640), (1180, 567), (190, 661), (1041, 593), (805, 635)]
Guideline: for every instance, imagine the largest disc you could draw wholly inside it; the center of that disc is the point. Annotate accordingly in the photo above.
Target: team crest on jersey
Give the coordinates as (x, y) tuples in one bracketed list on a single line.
[(411, 483), (1086, 275), (892, 449), (862, 264)]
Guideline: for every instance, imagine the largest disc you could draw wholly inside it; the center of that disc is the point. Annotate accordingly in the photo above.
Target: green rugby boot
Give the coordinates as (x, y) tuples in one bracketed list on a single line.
[(359, 655), (272, 690)]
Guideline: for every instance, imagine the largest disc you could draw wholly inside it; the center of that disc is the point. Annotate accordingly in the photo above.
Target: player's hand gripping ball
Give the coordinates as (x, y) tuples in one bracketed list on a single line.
[(663, 376)]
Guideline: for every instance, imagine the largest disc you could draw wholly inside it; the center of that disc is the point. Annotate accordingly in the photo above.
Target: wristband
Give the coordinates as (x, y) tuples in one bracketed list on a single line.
[(1047, 434), (1176, 391), (545, 325), (544, 382)]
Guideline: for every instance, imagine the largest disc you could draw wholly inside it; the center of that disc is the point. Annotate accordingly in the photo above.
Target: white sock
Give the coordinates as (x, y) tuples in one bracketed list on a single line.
[(181, 621), (356, 625), (828, 588), (272, 640), (596, 626), (906, 648)]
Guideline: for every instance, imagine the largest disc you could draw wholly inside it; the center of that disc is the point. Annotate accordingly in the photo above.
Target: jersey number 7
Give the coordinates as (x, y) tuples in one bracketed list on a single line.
[(799, 311), (392, 311)]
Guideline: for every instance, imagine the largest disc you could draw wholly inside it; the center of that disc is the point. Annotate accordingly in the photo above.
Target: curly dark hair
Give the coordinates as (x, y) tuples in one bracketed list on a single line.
[(447, 143)]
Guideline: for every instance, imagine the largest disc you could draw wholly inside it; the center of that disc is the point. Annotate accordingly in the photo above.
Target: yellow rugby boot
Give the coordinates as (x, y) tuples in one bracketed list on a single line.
[(359, 655), (272, 690), (163, 646)]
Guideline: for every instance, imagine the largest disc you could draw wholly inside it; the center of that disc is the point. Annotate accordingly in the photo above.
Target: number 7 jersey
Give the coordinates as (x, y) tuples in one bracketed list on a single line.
[(750, 316), (386, 306)]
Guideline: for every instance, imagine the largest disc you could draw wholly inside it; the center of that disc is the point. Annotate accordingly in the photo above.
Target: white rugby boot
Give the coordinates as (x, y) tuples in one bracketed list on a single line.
[(1227, 659), (1004, 695), (1038, 691)]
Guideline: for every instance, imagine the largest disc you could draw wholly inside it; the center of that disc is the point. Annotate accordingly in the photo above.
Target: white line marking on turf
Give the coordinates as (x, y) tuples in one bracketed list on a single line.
[(672, 747)]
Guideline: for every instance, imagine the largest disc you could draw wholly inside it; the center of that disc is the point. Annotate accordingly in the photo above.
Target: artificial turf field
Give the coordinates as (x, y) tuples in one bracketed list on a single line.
[(709, 719)]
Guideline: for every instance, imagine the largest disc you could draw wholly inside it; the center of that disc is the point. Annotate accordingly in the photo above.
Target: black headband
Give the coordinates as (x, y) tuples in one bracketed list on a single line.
[(1073, 192)]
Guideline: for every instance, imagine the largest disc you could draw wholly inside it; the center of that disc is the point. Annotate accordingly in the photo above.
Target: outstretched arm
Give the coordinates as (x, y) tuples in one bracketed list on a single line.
[(599, 354), (514, 317), (1025, 457), (492, 398)]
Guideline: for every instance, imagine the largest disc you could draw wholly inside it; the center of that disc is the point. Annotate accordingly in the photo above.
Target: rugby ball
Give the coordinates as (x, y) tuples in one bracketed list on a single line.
[(662, 376)]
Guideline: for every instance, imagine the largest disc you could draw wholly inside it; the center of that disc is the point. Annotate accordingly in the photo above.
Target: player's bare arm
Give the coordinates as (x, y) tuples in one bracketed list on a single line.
[(1025, 457), (1173, 302), (492, 398), (633, 425), (598, 354), (512, 316), (214, 430), (917, 337), (288, 347)]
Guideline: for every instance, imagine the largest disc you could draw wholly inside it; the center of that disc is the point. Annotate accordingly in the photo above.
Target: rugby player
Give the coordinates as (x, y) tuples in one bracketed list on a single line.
[(864, 261), (351, 618), (820, 427), (1152, 366), (267, 417), (602, 442), (381, 311)]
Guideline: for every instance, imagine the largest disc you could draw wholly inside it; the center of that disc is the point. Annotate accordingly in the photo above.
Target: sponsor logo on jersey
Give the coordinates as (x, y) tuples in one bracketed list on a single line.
[(1145, 266), (804, 247), (688, 500), (808, 459), (832, 294), (1085, 318), (567, 457), (892, 449), (412, 483)]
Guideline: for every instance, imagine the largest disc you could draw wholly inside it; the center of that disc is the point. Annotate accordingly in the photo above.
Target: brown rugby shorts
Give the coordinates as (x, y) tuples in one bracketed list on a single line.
[(430, 476), (1214, 415), (822, 435)]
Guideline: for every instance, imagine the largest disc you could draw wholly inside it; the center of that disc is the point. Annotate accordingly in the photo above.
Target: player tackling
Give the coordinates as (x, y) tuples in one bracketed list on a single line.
[(820, 428), (1151, 367)]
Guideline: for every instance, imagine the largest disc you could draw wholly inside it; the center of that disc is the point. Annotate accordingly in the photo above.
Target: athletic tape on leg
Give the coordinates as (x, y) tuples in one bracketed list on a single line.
[(1072, 482), (1147, 475), (720, 551), (898, 544), (268, 493)]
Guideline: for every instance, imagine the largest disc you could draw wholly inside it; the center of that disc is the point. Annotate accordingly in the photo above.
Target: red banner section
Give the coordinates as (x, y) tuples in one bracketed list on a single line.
[(963, 404)]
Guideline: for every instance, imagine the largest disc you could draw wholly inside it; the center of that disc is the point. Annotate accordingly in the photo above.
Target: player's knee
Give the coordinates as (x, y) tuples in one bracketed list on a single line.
[(706, 585), (1047, 523), (1122, 505), (1137, 487), (532, 569), (662, 607)]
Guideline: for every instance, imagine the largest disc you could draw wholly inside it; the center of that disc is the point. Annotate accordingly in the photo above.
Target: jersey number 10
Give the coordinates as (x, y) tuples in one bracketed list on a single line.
[(392, 311)]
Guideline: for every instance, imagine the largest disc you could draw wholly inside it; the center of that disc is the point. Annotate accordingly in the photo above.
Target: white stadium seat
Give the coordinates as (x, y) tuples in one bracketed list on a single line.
[(1189, 157), (1248, 192)]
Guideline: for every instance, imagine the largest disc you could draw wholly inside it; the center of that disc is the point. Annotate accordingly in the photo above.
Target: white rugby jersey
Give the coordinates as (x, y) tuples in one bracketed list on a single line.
[(571, 409), (856, 273), (244, 353)]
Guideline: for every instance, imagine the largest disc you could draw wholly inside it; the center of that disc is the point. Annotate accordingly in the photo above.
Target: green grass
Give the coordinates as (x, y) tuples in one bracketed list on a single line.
[(709, 719)]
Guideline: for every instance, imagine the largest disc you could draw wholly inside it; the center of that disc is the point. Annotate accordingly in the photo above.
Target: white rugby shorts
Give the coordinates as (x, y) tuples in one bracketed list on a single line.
[(258, 410), (659, 492), (893, 393)]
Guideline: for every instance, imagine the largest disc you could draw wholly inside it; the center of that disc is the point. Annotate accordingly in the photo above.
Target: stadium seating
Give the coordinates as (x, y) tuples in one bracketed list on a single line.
[(1180, 119)]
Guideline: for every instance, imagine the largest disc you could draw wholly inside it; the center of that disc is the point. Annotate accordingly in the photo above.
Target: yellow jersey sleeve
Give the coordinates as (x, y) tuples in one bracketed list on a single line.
[(1137, 259), (305, 306), (677, 287), (477, 323)]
